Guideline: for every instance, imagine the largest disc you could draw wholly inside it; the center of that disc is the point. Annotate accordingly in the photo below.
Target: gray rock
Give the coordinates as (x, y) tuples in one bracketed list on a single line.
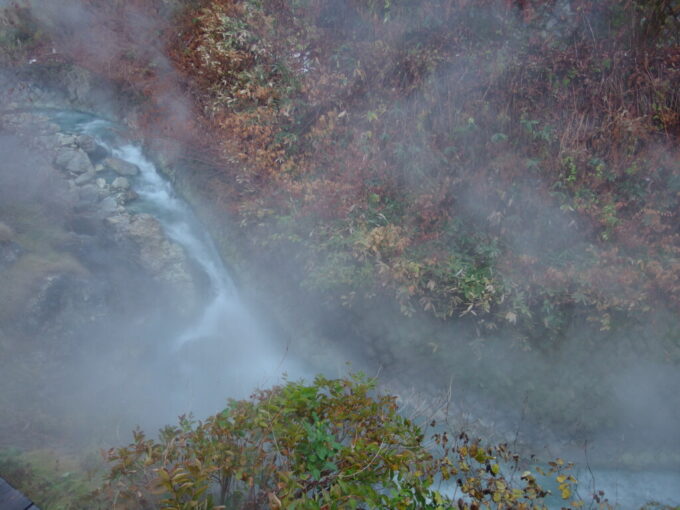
[(88, 194), (162, 258), (74, 161), (65, 140), (108, 206), (85, 178), (125, 197), (119, 221), (120, 183), (91, 147), (87, 143), (120, 167), (78, 84), (101, 183)]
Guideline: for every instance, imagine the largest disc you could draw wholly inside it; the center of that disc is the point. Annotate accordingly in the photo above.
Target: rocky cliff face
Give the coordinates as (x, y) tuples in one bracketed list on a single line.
[(89, 284)]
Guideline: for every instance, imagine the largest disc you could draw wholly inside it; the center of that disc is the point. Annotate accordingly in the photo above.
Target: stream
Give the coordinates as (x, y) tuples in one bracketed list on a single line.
[(223, 350)]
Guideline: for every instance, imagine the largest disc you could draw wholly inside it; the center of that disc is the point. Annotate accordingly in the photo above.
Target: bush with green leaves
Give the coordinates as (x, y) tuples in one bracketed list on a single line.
[(331, 444)]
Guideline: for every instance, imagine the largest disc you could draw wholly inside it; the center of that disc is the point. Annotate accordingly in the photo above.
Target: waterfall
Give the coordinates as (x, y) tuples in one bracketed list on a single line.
[(223, 351)]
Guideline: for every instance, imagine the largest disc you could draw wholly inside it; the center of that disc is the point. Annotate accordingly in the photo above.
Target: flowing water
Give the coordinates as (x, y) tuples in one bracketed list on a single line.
[(223, 350)]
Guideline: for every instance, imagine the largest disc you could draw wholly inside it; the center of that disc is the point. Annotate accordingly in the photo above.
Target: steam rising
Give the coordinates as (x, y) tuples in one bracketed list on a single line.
[(125, 349)]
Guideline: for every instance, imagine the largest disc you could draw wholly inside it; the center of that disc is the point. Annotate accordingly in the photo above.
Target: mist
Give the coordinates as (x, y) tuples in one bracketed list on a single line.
[(117, 308)]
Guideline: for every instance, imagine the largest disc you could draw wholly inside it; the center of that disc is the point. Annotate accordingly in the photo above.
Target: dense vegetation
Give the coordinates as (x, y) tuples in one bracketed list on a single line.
[(463, 157)]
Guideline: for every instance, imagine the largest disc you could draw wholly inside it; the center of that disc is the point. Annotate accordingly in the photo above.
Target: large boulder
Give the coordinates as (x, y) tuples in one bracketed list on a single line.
[(73, 160), (163, 258), (120, 167)]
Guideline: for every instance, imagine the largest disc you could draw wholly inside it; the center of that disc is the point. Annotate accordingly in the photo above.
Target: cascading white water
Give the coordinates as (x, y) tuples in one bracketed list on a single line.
[(181, 226), (223, 351)]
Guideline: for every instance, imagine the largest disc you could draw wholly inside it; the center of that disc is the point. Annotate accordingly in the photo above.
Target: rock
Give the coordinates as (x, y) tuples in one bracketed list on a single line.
[(88, 195), (74, 161), (78, 83), (126, 197), (99, 168), (65, 140), (120, 167), (120, 183), (87, 143), (84, 224), (119, 222), (162, 258), (85, 178), (101, 183), (91, 147), (108, 206)]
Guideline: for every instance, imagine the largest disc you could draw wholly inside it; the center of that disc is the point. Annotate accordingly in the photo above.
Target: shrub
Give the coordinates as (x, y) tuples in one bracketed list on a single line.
[(331, 444)]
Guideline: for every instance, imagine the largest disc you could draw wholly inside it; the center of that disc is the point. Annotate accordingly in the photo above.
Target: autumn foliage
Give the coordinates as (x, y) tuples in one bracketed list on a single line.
[(513, 161)]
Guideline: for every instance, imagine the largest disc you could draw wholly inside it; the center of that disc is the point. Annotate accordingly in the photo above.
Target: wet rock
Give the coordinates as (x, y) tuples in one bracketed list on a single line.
[(64, 140), (85, 178), (120, 167), (108, 206), (120, 183), (162, 258), (90, 146), (74, 161), (126, 197), (87, 143)]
